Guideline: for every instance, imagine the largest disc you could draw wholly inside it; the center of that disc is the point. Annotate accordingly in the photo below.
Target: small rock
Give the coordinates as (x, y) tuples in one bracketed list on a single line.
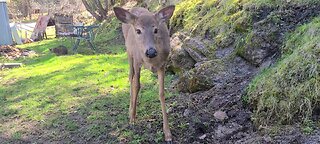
[(228, 130), (169, 110), (149, 126), (25, 54), (253, 138), (186, 112), (220, 115), (203, 137)]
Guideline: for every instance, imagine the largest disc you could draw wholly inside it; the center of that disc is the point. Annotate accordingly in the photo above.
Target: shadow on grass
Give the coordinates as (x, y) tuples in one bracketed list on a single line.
[(98, 119), (45, 45)]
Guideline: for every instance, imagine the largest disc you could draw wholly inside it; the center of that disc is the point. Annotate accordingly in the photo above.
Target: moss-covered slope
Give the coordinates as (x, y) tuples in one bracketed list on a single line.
[(255, 28), (290, 91), (260, 31)]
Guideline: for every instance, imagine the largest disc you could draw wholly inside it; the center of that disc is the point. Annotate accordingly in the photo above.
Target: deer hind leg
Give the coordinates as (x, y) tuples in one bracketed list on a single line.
[(166, 129), (134, 90)]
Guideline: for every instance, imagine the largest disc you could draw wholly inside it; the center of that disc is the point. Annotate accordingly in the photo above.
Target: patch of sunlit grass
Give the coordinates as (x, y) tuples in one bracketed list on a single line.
[(50, 89)]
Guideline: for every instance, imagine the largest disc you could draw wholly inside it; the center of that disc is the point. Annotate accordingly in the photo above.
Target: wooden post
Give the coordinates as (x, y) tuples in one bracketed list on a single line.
[(10, 65)]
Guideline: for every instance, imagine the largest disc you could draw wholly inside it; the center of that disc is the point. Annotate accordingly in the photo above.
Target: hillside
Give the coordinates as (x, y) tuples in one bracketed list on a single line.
[(257, 61)]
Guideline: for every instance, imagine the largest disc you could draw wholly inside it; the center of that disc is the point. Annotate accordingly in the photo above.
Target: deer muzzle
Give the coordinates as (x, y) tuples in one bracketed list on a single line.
[(151, 53)]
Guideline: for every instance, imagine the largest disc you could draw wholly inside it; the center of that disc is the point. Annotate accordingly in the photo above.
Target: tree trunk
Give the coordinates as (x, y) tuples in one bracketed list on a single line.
[(162, 2), (92, 11), (103, 12), (122, 2), (106, 2), (112, 2), (29, 9)]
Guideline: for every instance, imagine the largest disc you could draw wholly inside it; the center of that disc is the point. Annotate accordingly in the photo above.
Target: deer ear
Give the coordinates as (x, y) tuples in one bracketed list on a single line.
[(124, 15), (165, 13)]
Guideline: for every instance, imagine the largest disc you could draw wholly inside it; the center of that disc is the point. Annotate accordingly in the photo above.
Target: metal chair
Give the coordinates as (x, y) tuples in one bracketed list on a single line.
[(84, 33)]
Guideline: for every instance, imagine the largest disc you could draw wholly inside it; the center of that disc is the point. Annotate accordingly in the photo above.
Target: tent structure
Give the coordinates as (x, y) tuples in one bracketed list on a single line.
[(5, 32)]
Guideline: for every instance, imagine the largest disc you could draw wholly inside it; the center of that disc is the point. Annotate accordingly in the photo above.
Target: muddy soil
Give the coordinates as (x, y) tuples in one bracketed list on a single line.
[(200, 111), (219, 114)]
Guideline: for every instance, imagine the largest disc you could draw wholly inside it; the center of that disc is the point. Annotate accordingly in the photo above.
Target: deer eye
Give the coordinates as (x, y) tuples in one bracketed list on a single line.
[(156, 31), (138, 31)]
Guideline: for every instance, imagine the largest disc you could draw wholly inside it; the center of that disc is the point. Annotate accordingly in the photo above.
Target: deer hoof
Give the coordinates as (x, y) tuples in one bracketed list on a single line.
[(132, 122), (169, 142)]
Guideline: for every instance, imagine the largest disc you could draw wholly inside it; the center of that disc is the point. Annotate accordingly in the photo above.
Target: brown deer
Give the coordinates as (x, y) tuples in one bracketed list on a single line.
[(148, 43)]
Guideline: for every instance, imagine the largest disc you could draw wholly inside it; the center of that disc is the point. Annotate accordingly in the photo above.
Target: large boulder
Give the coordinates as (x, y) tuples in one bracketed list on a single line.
[(186, 52), (179, 59), (189, 58), (204, 76), (196, 49)]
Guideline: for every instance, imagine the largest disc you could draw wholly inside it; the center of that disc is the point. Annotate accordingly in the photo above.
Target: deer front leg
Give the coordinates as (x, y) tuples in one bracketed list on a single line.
[(166, 129), (131, 73), (134, 91)]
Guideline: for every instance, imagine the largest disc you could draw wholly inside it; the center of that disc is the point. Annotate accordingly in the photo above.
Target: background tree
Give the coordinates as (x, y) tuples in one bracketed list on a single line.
[(21, 7), (97, 8), (122, 2)]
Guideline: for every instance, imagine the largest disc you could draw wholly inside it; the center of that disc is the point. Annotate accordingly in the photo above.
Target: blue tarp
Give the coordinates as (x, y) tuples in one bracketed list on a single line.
[(5, 33)]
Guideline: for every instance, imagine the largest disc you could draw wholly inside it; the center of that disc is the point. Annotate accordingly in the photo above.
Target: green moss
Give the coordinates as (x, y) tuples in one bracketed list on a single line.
[(290, 91), (199, 16), (185, 13), (272, 3), (223, 21), (226, 22), (242, 42)]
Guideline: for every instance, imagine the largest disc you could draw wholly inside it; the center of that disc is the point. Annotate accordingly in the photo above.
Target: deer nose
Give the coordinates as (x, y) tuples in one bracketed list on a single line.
[(151, 53)]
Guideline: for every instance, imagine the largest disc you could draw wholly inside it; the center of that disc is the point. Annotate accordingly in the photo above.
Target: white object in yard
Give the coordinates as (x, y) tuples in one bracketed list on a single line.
[(5, 34), (15, 35), (77, 24)]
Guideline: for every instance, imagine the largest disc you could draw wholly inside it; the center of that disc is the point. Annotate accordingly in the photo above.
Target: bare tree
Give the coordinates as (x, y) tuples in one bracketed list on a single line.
[(112, 2), (97, 8), (23, 7)]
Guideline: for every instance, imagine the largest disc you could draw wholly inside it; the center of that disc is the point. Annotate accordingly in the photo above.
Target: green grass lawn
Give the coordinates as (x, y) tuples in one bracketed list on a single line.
[(77, 97)]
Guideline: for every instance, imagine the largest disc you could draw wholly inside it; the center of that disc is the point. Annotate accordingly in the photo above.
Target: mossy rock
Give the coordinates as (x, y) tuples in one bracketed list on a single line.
[(186, 52), (203, 77), (179, 59)]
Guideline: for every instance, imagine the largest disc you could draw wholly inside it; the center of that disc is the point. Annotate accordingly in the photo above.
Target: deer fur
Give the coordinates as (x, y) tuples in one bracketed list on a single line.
[(148, 44)]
